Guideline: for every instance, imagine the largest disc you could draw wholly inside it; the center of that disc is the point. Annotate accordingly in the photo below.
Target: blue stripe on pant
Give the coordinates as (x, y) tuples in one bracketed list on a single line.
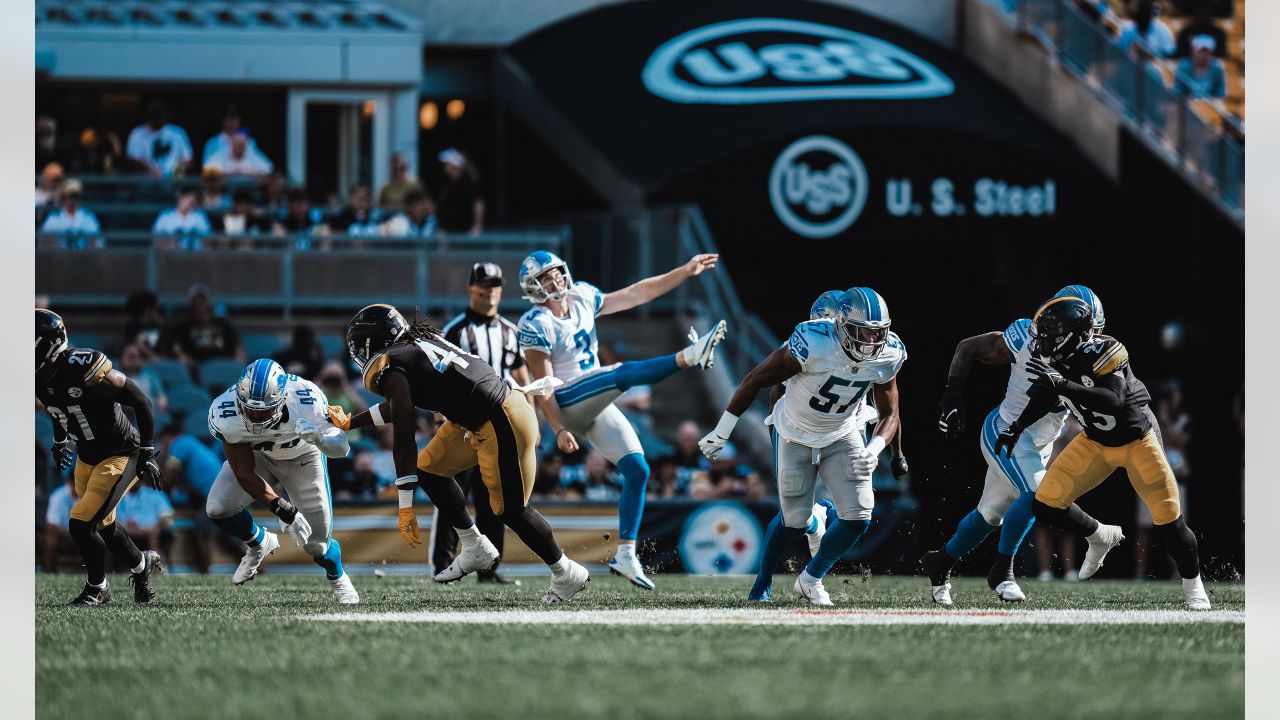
[(990, 432)]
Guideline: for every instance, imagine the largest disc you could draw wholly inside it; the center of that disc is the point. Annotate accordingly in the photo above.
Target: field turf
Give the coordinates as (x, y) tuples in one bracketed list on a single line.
[(205, 649)]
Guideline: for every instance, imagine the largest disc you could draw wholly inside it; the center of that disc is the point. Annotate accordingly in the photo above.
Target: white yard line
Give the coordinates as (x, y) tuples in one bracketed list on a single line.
[(762, 616)]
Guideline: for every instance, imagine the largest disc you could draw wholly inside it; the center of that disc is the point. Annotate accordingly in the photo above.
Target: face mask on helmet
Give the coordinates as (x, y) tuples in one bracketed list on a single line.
[(544, 276), (863, 342), (554, 283), (260, 396), (51, 341)]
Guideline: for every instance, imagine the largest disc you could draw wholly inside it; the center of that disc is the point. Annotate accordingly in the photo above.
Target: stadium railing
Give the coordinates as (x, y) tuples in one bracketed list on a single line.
[(1198, 137), (285, 272)]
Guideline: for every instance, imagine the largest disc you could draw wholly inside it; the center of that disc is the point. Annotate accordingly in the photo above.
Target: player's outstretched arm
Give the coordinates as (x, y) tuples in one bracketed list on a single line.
[(404, 449), (773, 370), (539, 364), (887, 404), (646, 290), (988, 349)]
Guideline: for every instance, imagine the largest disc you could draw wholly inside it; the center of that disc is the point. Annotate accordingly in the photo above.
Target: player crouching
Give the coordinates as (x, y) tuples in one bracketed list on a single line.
[(275, 425)]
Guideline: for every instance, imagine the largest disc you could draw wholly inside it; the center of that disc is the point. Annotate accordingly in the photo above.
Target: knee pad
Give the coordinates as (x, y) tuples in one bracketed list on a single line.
[(218, 510), (858, 514), (316, 549), (795, 514), (634, 468)]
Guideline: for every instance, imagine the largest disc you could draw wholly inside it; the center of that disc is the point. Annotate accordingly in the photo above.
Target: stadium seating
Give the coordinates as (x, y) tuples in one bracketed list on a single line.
[(171, 372), (218, 374), (260, 345), (85, 340), (190, 399)]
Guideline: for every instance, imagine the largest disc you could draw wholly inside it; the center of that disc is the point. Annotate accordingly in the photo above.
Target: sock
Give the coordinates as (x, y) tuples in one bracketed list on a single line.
[(1181, 545), (242, 527), (812, 527), (331, 561), (635, 477), (1001, 570), (808, 579), (142, 565), (93, 550), (121, 545), (840, 537), (468, 535), (1073, 518), (447, 496), (970, 533), (626, 550), (100, 585), (646, 372), (1017, 523), (1192, 584), (560, 566), (777, 545)]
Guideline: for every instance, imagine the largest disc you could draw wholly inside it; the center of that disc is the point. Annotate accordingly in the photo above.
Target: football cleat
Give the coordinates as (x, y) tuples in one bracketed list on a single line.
[(937, 565), (764, 595), (343, 591), (253, 558), (93, 596), (629, 567), (563, 588), (476, 555), (817, 528), (812, 590), (1009, 591), (704, 347), (1197, 598), (142, 591), (1100, 543), (942, 595), (1045, 576)]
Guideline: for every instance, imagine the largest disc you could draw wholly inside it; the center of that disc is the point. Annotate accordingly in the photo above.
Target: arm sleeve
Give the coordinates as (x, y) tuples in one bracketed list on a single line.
[(1040, 402), (1015, 336), (1108, 391), (133, 396)]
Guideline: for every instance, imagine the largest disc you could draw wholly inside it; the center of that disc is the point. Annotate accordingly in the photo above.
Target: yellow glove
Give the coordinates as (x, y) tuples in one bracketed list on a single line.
[(339, 418), (409, 527)]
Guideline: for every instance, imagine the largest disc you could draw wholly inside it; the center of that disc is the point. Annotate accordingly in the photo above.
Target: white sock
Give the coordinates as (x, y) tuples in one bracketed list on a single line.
[(808, 579), (103, 585), (1192, 584), (468, 535), (690, 355), (626, 550), (560, 567), (142, 565)]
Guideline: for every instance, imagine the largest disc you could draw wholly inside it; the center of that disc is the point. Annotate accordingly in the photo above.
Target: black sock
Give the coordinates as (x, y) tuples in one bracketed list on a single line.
[(1073, 518), (1001, 570), (446, 495), (533, 530), (92, 550), (1181, 545), (120, 544)]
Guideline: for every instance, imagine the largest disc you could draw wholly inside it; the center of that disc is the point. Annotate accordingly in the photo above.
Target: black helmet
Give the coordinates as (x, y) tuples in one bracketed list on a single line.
[(1060, 328), (51, 339), (373, 330)]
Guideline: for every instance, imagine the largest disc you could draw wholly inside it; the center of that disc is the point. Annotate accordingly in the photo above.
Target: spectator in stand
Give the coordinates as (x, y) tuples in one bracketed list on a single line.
[(416, 221), (1201, 24), (333, 381), (303, 357), (157, 147), (145, 323), (184, 225), (391, 196), (728, 479), (275, 201), (99, 152), (133, 365), (202, 334), (239, 157), (71, 226), (1202, 75), (461, 208), (593, 481), (56, 516), (359, 218), (49, 149), (148, 516), (359, 482), (547, 481), (1144, 26), (47, 192), (1175, 434), (190, 468), (302, 221), (242, 220), (220, 142), (686, 463), (213, 194)]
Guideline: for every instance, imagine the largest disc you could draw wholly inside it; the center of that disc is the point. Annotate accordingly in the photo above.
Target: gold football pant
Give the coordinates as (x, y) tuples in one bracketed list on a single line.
[(100, 487), (505, 449), (1084, 464)]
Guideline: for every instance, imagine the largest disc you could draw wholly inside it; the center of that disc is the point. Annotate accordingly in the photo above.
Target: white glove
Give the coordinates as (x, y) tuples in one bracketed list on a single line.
[(300, 529), (541, 386), (864, 460), (712, 445), (308, 431)]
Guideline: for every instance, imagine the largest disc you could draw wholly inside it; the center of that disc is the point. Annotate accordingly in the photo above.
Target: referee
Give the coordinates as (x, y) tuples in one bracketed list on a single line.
[(483, 333)]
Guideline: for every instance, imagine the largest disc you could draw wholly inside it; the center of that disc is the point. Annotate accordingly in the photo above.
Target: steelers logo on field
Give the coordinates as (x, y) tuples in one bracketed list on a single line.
[(818, 186), (721, 538)]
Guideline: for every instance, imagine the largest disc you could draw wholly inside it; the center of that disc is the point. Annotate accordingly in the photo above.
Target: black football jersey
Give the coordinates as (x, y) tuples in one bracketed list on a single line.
[(444, 379), (1107, 423), (77, 399)]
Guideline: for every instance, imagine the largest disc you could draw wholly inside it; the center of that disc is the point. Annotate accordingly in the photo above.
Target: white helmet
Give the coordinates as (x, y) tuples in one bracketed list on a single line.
[(534, 267), (260, 395), (863, 323)]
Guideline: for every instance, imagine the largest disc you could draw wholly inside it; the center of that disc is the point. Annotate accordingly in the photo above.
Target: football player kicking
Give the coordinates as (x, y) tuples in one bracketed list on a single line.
[(86, 399), (824, 511), (275, 426), (830, 364), (558, 338), (488, 424), (1011, 481), (1092, 377)]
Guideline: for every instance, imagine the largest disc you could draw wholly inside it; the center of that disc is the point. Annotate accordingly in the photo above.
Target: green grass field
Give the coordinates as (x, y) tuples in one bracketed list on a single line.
[(205, 649)]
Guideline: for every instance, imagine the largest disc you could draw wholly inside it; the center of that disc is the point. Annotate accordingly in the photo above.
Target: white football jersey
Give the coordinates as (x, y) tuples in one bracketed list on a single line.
[(822, 403), (1046, 429), (570, 341), (282, 442)]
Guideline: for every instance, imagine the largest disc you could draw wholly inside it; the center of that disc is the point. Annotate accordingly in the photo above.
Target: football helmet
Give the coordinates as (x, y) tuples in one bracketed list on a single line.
[(1060, 328), (825, 306), (373, 330), (862, 323), (1095, 304), (260, 394), (534, 267), (51, 340)]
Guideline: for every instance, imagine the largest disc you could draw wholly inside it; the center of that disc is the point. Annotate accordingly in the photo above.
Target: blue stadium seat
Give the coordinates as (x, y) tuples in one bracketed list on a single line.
[(260, 345), (44, 429), (190, 399), (85, 340), (218, 374), (198, 426), (331, 344), (171, 372)]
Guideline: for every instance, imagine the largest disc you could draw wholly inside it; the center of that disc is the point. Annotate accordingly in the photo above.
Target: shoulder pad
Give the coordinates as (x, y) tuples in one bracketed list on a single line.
[(1111, 356), (373, 372), (531, 333), (1015, 336), (808, 339), (590, 293), (96, 365)]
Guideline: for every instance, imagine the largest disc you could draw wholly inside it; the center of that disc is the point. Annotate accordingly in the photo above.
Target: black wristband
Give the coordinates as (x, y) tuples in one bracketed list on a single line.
[(284, 510)]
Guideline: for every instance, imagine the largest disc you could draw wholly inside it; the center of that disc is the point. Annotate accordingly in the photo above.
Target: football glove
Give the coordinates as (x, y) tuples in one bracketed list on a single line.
[(63, 454), (712, 445), (899, 466), (409, 527), (149, 469), (951, 412), (1045, 375), (339, 417), (291, 520), (308, 431), (1008, 439)]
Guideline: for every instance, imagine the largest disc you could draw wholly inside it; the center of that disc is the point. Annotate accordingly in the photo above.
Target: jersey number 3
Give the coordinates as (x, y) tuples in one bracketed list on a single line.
[(827, 398), (583, 340)]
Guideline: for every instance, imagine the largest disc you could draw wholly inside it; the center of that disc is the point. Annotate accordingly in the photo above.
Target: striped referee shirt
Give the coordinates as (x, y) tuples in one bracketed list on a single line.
[(492, 339)]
